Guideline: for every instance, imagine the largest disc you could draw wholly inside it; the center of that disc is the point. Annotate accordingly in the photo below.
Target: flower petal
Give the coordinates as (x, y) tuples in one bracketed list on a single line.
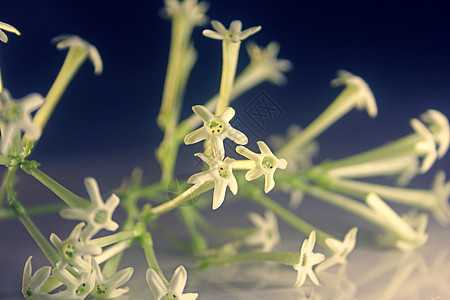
[(269, 182), (236, 136), (228, 114), (178, 281), (219, 193), (253, 174), (196, 136), (155, 284), (203, 113)]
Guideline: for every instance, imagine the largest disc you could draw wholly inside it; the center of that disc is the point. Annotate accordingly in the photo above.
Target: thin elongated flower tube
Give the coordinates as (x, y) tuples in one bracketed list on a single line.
[(98, 215), (16, 117), (73, 249), (108, 288), (267, 234), (221, 173), (175, 288), (9, 28), (266, 164), (356, 94), (31, 284), (215, 129), (307, 260), (340, 250)]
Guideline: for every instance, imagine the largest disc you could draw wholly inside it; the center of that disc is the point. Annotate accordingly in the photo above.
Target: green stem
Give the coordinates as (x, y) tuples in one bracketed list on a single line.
[(285, 258), (257, 196), (230, 58), (189, 216), (67, 196), (147, 246), (36, 210)]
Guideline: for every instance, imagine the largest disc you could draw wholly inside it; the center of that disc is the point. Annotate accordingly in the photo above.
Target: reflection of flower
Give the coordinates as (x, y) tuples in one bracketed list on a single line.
[(307, 260), (68, 41), (108, 288), (340, 249), (98, 215), (234, 34), (215, 129), (364, 97), (31, 285), (16, 116), (175, 288), (7, 27), (220, 172), (266, 164), (440, 194), (266, 233), (73, 249)]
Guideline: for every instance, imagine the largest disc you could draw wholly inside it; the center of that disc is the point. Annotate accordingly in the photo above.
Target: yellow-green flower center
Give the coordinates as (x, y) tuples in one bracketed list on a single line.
[(82, 289), (68, 251), (101, 291), (28, 293), (216, 126), (100, 216), (223, 171), (269, 162), (12, 112)]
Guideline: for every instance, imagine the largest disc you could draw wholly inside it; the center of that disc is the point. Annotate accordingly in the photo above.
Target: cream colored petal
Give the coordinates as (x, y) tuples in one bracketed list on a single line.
[(228, 114), (232, 184), (155, 284), (247, 153), (200, 178), (178, 281), (220, 188), (253, 174), (236, 136), (219, 27), (269, 183), (203, 113), (196, 136), (248, 32), (212, 34), (282, 163)]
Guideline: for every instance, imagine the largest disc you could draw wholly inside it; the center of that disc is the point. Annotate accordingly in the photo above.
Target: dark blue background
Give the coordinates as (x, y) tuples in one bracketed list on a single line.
[(401, 49)]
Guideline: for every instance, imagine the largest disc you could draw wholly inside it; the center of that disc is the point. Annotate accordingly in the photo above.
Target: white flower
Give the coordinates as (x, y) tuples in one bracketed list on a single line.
[(77, 288), (175, 288), (191, 9), (266, 234), (439, 197), (340, 250), (108, 288), (364, 97), (98, 215), (215, 129), (438, 125), (234, 34), (220, 172), (307, 260), (73, 249), (16, 116), (7, 27), (266, 164), (425, 147), (31, 284), (68, 41), (267, 58)]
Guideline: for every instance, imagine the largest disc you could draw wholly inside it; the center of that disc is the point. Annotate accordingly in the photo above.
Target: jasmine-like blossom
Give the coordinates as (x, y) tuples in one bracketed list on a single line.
[(267, 59), (191, 9), (364, 97), (402, 235), (68, 41), (215, 129), (439, 126), (340, 250), (73, 249), (98, 215), (31, 284), (107, 288), (16, 116), (425, 147), (221, 173), (234, 34), (307, 260), (7, 27), (266, 234), (174, 290), (266, 164), (76, 288)]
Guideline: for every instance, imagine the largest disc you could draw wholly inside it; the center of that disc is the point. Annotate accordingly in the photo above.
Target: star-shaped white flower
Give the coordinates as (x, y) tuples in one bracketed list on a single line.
[(107, 288), (68, 41), (364, 97), (16, 116), (221, 173), (174, 290), (340, 250), (215, 129), (76, 288), (267, 234), (267, 59), (307, 260), (191, 9), (31, 284), (98, 215), (73, 249), (439, 126), (7, 27), (441, 193), (266, 164), (234, 34)]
